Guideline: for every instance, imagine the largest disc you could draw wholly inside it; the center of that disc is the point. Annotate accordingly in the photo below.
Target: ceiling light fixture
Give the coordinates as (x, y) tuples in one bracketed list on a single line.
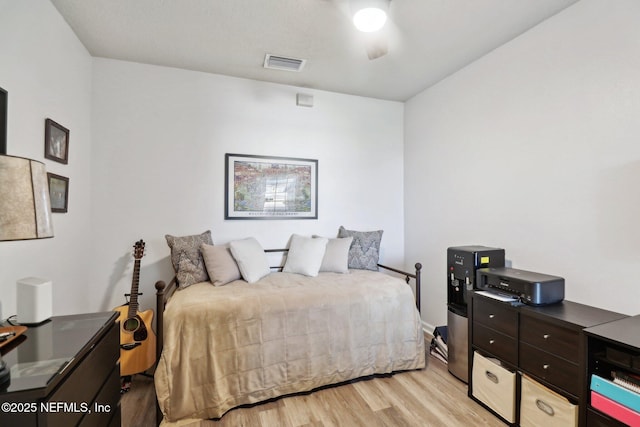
[(371, 15)]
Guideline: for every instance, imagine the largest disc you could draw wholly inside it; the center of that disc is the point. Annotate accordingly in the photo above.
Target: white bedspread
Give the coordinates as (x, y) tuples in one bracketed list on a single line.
[(244, 343)]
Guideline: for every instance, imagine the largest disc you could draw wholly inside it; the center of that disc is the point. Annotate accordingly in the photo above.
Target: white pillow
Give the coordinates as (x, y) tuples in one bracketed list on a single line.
[(336, 257), (251, 259), (305, 255)]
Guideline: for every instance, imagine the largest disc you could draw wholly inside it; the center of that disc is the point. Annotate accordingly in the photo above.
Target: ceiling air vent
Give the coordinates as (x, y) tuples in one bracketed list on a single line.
[(283, 63)]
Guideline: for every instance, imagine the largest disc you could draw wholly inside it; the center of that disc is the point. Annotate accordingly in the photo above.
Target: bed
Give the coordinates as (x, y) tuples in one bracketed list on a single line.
[(221, 347)]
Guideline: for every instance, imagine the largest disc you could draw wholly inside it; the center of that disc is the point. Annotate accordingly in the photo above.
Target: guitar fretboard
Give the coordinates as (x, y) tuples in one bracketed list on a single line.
[(133, 300)]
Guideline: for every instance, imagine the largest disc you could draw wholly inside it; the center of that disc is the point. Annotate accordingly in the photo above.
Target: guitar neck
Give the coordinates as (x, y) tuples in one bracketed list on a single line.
[(133, 299)]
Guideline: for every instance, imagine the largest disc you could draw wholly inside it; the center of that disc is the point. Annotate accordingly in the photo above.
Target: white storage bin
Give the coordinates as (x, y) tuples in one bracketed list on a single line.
[(494, 386), (540, 406)]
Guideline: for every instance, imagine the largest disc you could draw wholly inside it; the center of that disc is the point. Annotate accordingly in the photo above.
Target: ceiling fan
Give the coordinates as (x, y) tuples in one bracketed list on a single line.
[(370, 20), (370, 17)]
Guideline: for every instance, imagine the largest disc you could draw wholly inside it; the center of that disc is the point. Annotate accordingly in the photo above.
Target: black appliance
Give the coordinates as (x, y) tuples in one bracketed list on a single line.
[(530, 287), (462, 263)]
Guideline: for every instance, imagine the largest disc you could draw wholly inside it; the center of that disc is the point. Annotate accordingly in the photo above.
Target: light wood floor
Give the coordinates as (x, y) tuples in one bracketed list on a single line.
[(428, 397)]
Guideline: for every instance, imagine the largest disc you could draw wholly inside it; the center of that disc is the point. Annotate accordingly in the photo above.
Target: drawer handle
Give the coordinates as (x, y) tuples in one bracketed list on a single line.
[(544, 407), (546, 336), (492, 341), (66, 365), (491, 316), (545, 366), (492, 377)]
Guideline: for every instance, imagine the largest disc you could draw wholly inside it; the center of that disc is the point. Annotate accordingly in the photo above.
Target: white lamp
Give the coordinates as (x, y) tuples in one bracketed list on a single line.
[(370, 15), (25, 206)]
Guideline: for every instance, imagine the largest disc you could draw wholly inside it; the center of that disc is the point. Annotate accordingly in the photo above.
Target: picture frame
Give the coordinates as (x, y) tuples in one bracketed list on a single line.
[(56, 142), (269, 187), (58, 192), (3, 120)]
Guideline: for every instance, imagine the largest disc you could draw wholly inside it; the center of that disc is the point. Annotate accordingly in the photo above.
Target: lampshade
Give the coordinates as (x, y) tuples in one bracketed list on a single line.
[(369, 15), (25, 207)]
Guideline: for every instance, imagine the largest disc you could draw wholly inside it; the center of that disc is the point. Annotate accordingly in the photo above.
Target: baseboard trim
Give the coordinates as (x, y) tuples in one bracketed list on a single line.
[(427, 328)]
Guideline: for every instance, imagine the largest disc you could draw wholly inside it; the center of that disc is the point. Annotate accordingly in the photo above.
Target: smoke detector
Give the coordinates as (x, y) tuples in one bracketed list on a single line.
[(283, 63)]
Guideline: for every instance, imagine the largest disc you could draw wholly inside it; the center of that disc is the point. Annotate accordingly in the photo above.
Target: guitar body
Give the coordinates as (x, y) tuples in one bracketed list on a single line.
[(137, 348), (137, 340)]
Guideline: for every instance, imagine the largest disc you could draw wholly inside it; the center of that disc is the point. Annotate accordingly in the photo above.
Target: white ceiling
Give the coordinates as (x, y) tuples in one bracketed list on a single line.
[(427, 39)]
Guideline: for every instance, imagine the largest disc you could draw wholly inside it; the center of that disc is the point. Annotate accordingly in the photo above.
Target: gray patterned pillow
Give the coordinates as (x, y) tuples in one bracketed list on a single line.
[(364, 251), (187, 259)]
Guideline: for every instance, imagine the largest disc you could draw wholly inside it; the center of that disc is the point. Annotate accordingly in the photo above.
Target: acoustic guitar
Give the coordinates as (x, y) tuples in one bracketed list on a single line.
[(137, 340)]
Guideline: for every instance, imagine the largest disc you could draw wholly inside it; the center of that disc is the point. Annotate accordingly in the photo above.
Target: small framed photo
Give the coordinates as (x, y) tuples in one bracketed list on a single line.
[(56, 142), (58, 192)]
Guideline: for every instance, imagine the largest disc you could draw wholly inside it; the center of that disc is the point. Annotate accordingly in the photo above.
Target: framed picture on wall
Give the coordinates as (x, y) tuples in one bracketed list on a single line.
[(56, 142), (58, 192), (3, 121), (260, 187)]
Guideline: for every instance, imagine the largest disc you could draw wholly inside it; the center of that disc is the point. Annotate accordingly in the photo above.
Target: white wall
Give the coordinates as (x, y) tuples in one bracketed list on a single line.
[(47, 73), (146, 158), (159, 141), (535, 148)]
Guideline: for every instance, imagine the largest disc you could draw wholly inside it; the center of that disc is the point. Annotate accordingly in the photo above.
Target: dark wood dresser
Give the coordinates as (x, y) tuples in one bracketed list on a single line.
[(542, 347), (64, 372)]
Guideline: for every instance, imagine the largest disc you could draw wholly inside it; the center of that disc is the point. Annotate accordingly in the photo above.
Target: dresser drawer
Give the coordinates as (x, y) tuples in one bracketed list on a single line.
[(495, 315), (494, 386), (106, 404), (540, 406), (496, 343), (116, 420), (554, 370), (85, 381), (555, 339)]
